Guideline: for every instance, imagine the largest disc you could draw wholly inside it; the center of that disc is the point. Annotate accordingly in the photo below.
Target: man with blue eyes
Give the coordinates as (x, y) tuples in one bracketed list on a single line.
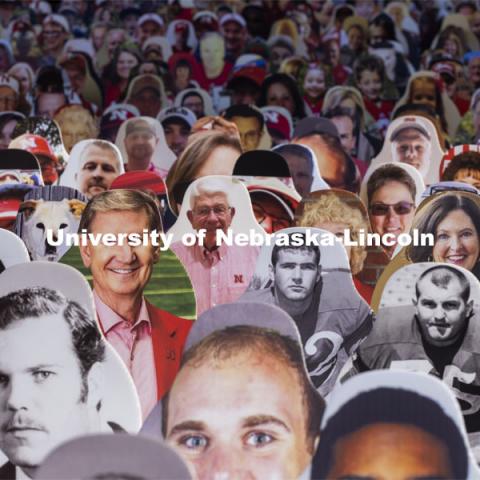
[(438, 334), (242, 406), (51, 353)]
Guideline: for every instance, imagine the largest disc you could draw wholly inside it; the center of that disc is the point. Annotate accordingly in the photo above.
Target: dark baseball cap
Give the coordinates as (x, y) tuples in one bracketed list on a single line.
[(311, 126)]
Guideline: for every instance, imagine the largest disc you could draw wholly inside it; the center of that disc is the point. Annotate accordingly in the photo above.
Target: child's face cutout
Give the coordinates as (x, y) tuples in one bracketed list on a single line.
[(314, 83), (424, 93), (370, 84)]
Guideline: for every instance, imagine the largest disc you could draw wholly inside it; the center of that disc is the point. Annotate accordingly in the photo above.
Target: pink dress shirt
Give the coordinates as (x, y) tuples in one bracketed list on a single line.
[(134, 345), (218, 276)]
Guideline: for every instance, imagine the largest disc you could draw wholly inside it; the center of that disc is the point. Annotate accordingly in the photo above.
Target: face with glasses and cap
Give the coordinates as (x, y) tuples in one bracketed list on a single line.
[(54, 36), (211, 212), (269, 212), (391, 209)]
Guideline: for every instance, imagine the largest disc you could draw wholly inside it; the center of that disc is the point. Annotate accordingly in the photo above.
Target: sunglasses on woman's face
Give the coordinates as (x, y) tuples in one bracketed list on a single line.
[(381, 209)]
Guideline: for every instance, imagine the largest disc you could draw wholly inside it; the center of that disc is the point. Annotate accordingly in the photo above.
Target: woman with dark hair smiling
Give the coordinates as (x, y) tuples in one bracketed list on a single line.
[(281, 90), (454, 219), (117, 73)]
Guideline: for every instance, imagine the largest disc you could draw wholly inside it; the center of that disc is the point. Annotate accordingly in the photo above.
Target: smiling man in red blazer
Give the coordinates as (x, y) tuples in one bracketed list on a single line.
[(148, 340)]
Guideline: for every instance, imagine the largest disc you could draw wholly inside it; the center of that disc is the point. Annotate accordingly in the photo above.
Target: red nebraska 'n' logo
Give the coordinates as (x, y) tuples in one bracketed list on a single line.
[(238, 278)]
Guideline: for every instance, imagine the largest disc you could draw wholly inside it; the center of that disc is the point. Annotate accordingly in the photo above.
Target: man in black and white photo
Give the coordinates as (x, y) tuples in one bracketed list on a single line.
[(51, 355), (331, 318)]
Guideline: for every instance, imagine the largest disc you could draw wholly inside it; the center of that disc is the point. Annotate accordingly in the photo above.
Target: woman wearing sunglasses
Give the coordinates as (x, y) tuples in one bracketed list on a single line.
[(391, 202), (454, 219)]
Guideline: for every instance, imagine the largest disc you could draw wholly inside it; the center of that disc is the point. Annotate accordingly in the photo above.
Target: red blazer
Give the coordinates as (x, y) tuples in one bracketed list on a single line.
[(168, 336)]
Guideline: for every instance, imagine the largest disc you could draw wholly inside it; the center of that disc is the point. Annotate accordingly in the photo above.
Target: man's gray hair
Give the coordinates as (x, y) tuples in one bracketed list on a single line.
[(210, 186)]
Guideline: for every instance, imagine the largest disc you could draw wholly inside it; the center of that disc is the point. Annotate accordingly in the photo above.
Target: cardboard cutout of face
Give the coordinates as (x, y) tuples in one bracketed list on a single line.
[(432, 308), (301, 279), (425, 434), (84, 385), (412, 140), (233, 427)]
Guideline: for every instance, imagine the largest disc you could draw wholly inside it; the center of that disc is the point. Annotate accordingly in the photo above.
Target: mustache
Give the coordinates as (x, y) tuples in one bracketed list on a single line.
[(22, 421), (97, 182)]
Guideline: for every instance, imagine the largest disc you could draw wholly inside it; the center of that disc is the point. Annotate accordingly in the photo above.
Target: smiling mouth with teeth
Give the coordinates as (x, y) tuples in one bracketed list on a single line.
[(123, 271)]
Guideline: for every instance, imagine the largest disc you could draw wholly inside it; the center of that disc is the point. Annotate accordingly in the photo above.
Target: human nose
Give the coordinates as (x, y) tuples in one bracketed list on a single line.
[(454, 243), (297, 274), (392, 215), (98, 172), (225, 464), (439, 313), (125, 253), (18, 394)]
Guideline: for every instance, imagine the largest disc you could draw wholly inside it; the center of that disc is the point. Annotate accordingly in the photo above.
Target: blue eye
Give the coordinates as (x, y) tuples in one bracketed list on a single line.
[(259, 439), (194, 442)]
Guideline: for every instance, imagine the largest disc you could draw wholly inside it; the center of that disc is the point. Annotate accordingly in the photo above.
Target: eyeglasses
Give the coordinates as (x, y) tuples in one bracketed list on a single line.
[(52, 33), (277, 223), (218, 210), (449, 186), (381, 209)]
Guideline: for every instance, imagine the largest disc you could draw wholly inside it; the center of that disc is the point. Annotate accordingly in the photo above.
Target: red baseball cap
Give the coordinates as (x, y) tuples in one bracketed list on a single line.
[(34, 144)]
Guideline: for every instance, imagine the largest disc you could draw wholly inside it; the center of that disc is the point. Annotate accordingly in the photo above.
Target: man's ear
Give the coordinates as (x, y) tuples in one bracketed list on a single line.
[(190, 216), (232, 212), (86, 254), (271, 272), (469, 308), (415, 301), (156, 254), (95, 380), (319, 274)]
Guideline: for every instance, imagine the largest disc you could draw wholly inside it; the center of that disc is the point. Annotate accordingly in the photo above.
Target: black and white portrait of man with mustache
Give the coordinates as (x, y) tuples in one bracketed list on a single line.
[(51, 357)]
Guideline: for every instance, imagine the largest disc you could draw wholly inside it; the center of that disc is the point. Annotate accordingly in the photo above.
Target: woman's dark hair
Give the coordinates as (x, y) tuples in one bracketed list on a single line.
[(110, 71), (384, 21), (390, 173), (429, 218), (291, 85)]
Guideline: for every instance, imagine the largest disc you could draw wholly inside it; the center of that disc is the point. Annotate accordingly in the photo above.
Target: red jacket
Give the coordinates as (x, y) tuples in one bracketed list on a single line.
[(168, 336)]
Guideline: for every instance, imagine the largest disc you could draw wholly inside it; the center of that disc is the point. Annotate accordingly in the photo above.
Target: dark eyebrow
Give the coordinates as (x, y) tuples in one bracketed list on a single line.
[(258, 420), (188, 425), (43, 366)]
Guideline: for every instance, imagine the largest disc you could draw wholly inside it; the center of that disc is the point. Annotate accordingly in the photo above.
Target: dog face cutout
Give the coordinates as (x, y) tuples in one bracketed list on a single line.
[(41, 216)]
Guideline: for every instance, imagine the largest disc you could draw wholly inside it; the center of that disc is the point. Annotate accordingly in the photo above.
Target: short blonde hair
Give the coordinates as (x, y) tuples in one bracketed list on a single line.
[(330, 208)]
